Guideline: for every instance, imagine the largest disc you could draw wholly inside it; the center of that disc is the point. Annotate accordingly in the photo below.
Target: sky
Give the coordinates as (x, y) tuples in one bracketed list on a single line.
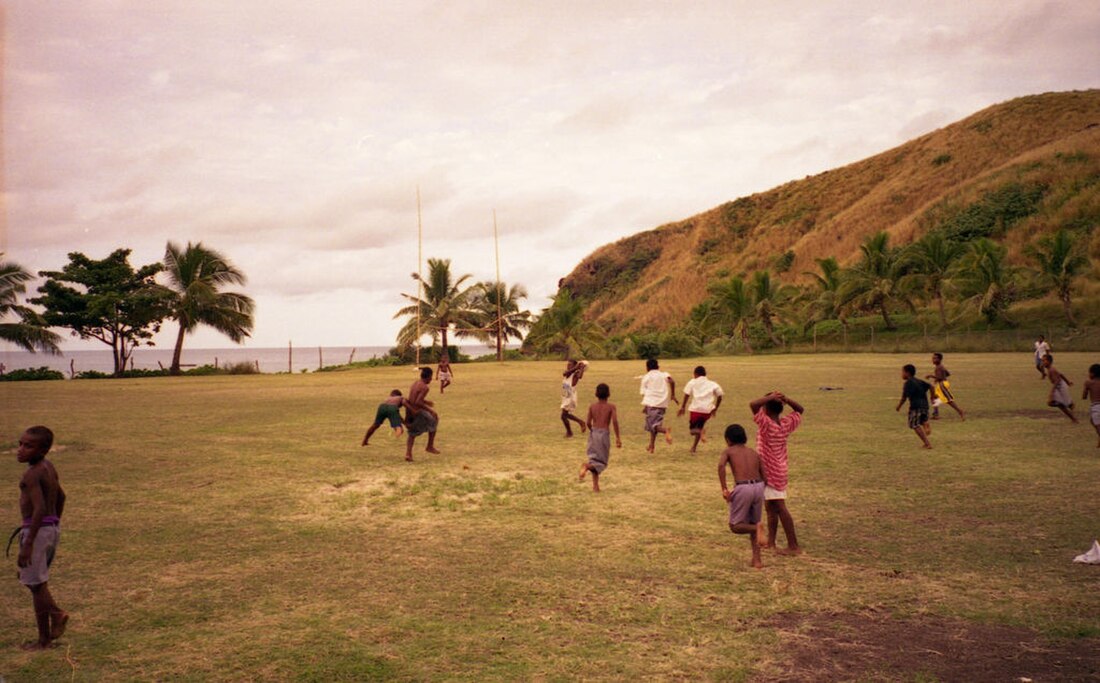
[(293, 137)]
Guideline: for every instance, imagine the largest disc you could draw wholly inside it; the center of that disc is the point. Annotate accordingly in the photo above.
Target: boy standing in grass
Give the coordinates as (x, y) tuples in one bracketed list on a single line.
[(574, 370), (601, 415), (916, 392), (445, 372), (747, 498), (390, 409), (419, 416), (702, 397), (942, 387), (41, 502), (1059, 389), (1042, 348), (772, 432), (1092, 392), (656, 389)]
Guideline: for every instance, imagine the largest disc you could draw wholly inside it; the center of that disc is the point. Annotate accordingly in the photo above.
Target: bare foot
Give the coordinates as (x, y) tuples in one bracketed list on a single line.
[(364, 443), (434, 451), (584, 472), (693, 450), (756, 563), (789, 551), (584, 428), (57, 629), (767, 546), (569, 435), (649, 449), (34, 646), (408, 458), (668, 437), (927, 447)]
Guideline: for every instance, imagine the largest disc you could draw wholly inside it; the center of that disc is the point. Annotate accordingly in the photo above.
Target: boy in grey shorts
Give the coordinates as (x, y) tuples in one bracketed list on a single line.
[(747, 498)]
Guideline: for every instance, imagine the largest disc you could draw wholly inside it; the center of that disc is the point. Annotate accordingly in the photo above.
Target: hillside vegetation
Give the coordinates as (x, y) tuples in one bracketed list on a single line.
[(1013, 172)]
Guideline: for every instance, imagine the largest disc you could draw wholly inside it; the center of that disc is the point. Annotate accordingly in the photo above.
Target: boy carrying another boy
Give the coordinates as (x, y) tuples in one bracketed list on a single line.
[(772, 431), (419, 415), (747, 498), (916, 392), (601, 415), (390, 409), (41, 502)]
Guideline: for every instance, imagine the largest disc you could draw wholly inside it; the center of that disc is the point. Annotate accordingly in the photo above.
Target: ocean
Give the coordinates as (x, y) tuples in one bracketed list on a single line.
[(270, 359)]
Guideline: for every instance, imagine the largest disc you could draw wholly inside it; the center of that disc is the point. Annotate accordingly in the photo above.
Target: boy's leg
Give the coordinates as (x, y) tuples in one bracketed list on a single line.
[(584, 470), (595, 481), (667, 431), (373, 428), (788, 528), (652, 441), (957, 409), (921, 435), (409, 447), (431, 444), (565, 421), (754, 541), (1097, 428), (43, 603), (773, 521), (762, 533), (1069, 413), (695, 444)]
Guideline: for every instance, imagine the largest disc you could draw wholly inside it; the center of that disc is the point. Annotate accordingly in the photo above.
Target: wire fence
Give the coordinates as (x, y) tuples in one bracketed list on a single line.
[(872, 338)]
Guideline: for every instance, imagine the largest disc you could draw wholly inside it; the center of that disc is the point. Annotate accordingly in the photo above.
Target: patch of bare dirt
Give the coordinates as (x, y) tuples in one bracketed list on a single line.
[(873, 646)]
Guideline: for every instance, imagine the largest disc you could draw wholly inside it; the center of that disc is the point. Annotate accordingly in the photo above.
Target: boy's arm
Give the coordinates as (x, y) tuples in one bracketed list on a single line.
[(60, 500), (588, 419), (722, 475), (795, 405), (684, 405), (716, 405), (32, 484), (902, 401), (615, 424), (672, 389)]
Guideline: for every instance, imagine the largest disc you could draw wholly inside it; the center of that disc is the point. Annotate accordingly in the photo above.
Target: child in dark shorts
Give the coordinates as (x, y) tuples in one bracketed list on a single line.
[(916, 391), (390, 409), (747, 498)]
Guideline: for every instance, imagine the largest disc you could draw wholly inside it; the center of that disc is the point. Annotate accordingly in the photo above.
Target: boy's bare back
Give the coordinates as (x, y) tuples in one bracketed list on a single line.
[(601, 414), (1092, 390), (744, 461)]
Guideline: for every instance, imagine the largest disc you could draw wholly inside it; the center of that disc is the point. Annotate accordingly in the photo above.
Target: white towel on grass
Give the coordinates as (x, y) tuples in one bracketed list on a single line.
[(1092, 556)]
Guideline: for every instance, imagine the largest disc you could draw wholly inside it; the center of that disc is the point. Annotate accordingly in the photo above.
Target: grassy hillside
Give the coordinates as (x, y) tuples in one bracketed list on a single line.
[(1011, 172)]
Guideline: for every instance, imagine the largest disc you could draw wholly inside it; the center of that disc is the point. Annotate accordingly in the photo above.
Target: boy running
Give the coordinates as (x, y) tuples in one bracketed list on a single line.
[(1042, 348), (942, 388), (747, 498), (445, 372), (704, 397), (656, 389), (601, 415), (419, 416), (1059, 389), (574, 370), (1092, 392), (390, 409), (772, 432), (41, 502), (916, 392)]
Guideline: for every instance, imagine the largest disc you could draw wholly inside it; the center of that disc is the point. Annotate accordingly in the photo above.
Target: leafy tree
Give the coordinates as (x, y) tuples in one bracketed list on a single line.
[(30, 332), (986, 280), (195, 276), (824, 300), (562, 328), (106, 300), (499, 308), (770, 301), (734, 307), (932, 260), (1061, 258), (444, 303), (873, 284)]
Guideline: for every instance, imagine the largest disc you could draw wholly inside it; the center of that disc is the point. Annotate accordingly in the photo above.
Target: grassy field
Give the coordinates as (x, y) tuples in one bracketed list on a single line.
[(233, 528)]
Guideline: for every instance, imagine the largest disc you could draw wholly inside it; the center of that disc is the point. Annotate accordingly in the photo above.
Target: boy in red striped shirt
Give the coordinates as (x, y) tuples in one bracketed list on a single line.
[(772, 430)]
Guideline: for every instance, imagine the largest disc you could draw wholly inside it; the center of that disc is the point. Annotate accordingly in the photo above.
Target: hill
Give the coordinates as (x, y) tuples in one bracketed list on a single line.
[(1014, 170)]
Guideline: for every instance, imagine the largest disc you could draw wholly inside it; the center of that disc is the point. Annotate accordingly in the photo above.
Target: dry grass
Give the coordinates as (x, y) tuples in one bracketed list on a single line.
[(231, 528)]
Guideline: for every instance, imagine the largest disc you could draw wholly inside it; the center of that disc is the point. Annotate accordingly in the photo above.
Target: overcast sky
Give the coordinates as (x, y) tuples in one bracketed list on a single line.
[(293, 136)]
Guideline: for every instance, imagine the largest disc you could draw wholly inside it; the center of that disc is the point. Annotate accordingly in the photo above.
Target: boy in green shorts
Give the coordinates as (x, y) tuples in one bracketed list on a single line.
[(390, 409)]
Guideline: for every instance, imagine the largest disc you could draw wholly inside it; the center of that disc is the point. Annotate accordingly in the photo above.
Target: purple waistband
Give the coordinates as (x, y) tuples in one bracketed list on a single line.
[(48, 520)]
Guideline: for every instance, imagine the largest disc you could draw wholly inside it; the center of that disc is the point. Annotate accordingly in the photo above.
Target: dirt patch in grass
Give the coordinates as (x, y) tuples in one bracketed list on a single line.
[(874, 646)]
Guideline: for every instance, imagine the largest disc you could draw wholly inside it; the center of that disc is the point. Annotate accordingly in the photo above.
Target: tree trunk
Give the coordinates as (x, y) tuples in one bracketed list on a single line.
[(500, 343), (444, 335), (886, 317), (1067, 307), (770, 329), (177, 352), (943, 312), (116, 356)]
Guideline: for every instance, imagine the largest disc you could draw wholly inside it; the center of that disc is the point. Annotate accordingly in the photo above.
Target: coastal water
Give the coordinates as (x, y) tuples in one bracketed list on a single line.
[(269, 359)]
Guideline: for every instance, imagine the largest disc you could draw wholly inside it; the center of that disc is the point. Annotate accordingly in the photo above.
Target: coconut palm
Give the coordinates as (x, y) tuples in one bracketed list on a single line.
[(823, 300), (770, 301), (932, 260), (986, 280), (873, 284), (30, 332), (1061, 258), (734, 306), (499, 308), (562, 328), (196, 276), (442, 304)]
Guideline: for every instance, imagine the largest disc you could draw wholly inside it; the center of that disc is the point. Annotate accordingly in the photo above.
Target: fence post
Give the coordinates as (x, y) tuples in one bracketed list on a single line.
[(815, 337), (872, 337), (290, 357)]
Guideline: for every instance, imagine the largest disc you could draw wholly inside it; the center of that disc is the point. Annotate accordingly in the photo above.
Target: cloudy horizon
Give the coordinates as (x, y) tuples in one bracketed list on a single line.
[(294, 139)]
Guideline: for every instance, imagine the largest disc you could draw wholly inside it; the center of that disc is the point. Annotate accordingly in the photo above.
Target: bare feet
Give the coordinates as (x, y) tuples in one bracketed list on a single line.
[(649, 449), (364, 443), (584, 471), (35, 646), (756, 563), (767, 546), (433, 450), (57, 629), (408, 458), (789, 551), (668, 436), (569, 435), (927, 447)]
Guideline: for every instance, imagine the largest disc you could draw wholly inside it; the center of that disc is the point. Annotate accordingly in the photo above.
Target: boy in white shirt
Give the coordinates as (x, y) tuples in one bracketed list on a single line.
[(702, 397), (657, 388)]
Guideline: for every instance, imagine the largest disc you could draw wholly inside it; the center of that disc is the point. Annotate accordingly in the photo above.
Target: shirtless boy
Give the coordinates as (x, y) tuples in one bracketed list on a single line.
[(747, 498), (1092, 392), (419, 416), (916, 392), (446, 374), (942, 387), (601, 415), (656, 389), (390, 409), (702, 397), (1059, 389), (41, 502), (574, 370)]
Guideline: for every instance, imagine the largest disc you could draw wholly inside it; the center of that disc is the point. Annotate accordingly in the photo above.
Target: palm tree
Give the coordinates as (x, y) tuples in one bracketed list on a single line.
[(196, 275), (1061, 259), (873, 283), (562, 328), (732, 302), (824, 303), (30, 332), (770, 301), (985, 279), (933, 259), (499, 307), (443, 303)]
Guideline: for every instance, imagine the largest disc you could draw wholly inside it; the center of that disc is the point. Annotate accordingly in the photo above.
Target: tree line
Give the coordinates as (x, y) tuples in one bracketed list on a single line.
[(110, 301)]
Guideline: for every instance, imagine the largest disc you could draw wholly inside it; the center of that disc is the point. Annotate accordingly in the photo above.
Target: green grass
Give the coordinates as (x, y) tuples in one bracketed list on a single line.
[(232, 528)]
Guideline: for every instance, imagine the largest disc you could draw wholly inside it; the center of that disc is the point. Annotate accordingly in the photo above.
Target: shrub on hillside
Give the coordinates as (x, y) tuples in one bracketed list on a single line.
[(31, 375)]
